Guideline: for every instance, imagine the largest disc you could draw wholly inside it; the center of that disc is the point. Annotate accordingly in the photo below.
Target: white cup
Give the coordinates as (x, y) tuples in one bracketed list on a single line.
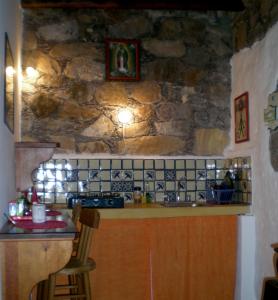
[(38, 213)]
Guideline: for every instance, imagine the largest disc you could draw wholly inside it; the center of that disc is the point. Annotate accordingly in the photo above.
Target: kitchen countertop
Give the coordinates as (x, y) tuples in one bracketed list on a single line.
[(156, 210)]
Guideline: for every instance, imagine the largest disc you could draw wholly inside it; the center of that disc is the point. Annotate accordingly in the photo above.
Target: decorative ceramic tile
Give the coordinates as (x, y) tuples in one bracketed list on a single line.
[(60, 187), (122, 186), (180, 175), (159, 196), (200, 164), (128, 197), (159, 164), (201, 196), (220, 163), (220, 174), (61, 175), (149, 175), (138, 175), (94, 175), (83, 186), (94, 164), (190, 186), (49, 164), (180, 164), (159, 175), (149, 186), (181, 196), (159, 185), (116, 164), (72, 186), (127, 164), (191, 196), (190, 164), (72, 163), (201, 174), (83, 175), (149, 164), (72, 175), (170, 174), (50, 175), (210, 164), (94, 186), (83, 164), (49, 198), (39, 186), (138, 164), (105, 175), (127, 175), (105, 186), (171, 196), (116, 175), (139, 184), (105, 164), (201, 185), (211, 174), (181, 185), (170, 185), (60, 164), (190, 175), (60, 198), (169, 164)]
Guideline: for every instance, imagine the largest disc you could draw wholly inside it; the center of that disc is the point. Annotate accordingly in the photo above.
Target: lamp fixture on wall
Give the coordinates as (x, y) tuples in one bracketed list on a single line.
[(125, 116), (31, 72), (10, 71)]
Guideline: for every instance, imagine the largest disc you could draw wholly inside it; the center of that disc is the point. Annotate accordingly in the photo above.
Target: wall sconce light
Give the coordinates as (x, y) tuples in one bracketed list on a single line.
[(125, 116), (10, 71), (31, 72)]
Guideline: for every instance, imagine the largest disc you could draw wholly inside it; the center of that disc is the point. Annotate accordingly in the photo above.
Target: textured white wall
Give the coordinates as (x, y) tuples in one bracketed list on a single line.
[(10, 23), (255, 70)]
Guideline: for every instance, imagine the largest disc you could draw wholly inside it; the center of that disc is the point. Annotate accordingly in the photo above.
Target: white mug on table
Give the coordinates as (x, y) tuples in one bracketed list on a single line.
[(38, 213)]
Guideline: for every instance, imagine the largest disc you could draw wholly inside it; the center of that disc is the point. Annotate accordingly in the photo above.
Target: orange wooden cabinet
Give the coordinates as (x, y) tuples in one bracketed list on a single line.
[(192, 258)]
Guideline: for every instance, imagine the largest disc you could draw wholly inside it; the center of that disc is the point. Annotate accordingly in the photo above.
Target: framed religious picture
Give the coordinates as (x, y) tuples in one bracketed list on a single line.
[(241, 118), (122, 59), (9, 86)]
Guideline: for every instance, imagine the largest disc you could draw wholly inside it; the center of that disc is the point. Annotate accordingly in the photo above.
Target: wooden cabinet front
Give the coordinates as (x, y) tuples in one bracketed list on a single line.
[(192, 258)]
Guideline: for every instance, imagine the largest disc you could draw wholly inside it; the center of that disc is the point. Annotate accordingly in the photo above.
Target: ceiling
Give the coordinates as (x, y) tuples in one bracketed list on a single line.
[(201, 5)]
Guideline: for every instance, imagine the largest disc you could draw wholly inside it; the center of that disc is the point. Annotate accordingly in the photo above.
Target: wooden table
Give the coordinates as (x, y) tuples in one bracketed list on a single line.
[(28, 256)]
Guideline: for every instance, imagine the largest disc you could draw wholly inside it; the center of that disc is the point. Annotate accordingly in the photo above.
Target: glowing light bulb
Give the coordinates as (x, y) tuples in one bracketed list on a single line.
[(10, 71), (125, 116), (31, 72)]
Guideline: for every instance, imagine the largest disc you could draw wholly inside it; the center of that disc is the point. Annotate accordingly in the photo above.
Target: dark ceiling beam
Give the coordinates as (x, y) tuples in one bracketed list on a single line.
[(201, 5)]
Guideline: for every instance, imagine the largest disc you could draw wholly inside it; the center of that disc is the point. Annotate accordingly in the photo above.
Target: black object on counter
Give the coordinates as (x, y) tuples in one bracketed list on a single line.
[(96, 200)]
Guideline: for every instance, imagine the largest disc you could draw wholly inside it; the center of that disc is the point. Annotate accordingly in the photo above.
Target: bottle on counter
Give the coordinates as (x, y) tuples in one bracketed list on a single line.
[(148, 195), (137, 195)]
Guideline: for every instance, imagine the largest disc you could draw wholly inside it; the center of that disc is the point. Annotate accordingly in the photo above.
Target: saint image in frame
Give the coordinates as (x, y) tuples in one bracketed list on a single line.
[(122, 59), (241, 118)]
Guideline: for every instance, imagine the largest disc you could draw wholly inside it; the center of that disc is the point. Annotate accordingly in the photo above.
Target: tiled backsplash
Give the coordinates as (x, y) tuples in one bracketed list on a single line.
[(57, 178)]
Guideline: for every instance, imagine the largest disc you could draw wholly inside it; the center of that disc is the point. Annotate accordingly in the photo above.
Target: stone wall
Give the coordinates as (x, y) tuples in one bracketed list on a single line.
[(181, 104), (252, 24)]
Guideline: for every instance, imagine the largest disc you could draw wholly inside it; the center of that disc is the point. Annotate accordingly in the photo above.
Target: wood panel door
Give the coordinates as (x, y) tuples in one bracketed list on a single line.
[(194, 258), (122, 253)]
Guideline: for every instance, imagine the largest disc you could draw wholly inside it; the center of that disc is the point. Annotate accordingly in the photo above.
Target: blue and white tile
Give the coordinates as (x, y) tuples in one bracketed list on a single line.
[(94, 175), (72, 175), (201, 174), (116, 175), (127, 175), (149, 175), (160, 186), (170, 174)]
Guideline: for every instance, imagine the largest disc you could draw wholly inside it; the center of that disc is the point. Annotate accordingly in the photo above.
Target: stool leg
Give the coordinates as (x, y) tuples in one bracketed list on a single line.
[(51, 286), (87, 286)]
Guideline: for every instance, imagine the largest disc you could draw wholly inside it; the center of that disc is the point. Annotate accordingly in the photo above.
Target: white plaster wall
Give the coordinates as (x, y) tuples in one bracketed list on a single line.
[(10, 23), (255, 70)]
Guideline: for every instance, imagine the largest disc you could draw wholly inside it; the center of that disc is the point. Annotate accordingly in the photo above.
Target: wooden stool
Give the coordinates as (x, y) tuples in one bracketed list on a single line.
[(270, 284), (78, 268)]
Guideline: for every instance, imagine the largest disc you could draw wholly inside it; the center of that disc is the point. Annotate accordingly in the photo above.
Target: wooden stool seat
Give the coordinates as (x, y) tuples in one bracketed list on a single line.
[(76, 266)]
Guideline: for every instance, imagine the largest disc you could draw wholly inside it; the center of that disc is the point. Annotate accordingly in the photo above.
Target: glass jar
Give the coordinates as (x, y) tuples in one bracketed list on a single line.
[(137, 195)]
